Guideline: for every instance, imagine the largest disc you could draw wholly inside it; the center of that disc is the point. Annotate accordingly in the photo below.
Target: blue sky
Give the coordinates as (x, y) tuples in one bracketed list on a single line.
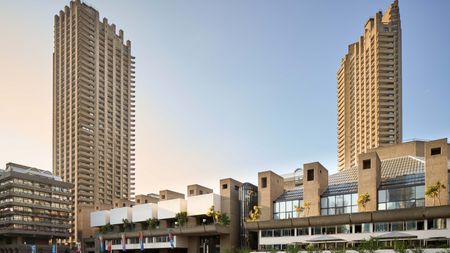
[(224, 88)]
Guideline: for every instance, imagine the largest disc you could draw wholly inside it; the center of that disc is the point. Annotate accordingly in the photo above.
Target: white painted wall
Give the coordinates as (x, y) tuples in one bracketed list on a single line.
[(167, 209), (118, 214), (99, 218), (198, 205), (144, 212)]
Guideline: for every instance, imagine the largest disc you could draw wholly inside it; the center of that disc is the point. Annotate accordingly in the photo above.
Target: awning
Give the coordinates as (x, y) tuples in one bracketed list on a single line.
[(396, 235), (325, 238)]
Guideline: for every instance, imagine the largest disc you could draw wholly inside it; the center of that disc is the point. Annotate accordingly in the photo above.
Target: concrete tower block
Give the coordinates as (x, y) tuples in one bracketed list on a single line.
[(436, 169), (270, 187), (315, 182), (369, 179)]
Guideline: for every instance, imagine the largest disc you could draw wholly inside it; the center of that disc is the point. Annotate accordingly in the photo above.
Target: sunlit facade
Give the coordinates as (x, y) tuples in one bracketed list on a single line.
[(93, 110)]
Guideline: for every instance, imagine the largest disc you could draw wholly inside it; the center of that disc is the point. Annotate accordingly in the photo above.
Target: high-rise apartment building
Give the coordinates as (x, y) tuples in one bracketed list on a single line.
[(93, 110), (370, 89)]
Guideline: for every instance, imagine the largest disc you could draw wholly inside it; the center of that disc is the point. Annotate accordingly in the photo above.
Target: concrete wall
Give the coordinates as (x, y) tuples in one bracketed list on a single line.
[(168, 209), (436, 169), (195, 189), (273, 188), (229, 192), (168, 195), (369, 179), (144, 212), (118, 214), (199, 205), (412, 148), (313, 189), (99, 218)]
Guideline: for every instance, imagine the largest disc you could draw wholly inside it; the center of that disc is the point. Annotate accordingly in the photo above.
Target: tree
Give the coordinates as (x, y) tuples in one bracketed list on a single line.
[(363, 199), (181, 218), (307, 207), (224, 219), (105, 229), (299, 210), (434, 191), (292, 248), (254, 214), (126, 225), (152, 223)]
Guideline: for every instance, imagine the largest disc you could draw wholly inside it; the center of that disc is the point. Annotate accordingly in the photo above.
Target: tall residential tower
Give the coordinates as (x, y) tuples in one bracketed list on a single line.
[(370, 89), (93, 110)]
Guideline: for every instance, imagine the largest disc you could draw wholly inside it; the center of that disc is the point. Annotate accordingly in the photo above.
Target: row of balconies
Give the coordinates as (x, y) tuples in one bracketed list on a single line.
[(166, 209)]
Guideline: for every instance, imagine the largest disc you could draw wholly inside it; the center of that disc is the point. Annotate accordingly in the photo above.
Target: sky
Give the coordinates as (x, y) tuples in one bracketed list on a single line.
[(224, 88)]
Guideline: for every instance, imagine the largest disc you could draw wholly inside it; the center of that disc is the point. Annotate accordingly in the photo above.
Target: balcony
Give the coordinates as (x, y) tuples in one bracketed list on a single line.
[(100, 218), (117, 215), (199, 205), (167, 209), (144, 212)]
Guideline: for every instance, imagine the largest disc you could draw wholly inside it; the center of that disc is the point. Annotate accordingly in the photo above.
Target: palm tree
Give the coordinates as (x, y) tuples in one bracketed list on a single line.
[(299, 210), (363, 199), (434, 191), (306, 207)]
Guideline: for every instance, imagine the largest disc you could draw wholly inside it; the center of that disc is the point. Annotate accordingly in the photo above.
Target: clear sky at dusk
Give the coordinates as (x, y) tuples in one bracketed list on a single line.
[(224, 88)]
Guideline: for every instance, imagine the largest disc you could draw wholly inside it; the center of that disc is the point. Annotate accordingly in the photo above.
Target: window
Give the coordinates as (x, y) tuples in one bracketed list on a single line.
[(436, 224), (310, 175), (436, 151), (339, 204), (236, 188), (367, 164), (191, 192), (386, 29), (264, 182), (286, 209), (224, 186), (406, 197)]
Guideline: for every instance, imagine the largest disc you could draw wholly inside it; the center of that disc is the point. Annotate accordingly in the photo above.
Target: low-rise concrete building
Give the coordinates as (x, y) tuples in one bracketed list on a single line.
[(383, 197), (174, 222), (35, 207)]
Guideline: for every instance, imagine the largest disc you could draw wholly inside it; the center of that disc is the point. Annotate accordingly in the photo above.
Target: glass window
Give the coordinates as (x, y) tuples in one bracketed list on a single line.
[(339, 200), (381, 227), (397, 226), (382, 196), (323, 202), (348, 200), (436, 224), (302, 231), (365, 227), (331, 201), (411, 225), (344, 229)]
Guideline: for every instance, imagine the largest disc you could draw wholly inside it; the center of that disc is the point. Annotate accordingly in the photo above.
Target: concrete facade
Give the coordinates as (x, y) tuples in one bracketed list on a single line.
[(369, 179), (436, 162), (315, 182), (198, 233), (270, 187), (370, 89), (398, 206), (93, 110), (35, 206)]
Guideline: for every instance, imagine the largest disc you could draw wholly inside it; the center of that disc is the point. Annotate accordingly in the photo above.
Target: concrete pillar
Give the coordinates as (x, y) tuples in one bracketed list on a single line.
[(315, 183), (369, 179), (229, 201), (193, 244), (270, 187), (436, 169)]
